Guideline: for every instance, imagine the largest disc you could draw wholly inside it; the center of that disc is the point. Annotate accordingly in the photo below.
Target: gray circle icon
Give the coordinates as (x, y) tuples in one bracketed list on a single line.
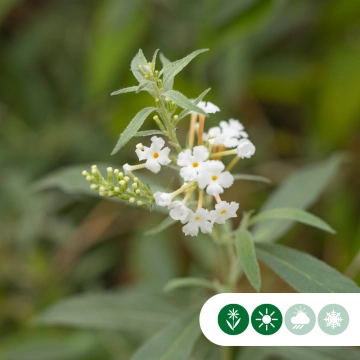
[(333, 319), (300, 319)]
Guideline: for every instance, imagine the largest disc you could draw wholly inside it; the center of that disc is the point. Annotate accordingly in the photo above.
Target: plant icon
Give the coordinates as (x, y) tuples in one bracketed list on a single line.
[(233, 319), (233, 314)]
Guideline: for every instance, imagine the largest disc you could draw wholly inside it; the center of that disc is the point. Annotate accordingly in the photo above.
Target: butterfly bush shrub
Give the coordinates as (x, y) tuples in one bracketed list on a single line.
[(204, 163)]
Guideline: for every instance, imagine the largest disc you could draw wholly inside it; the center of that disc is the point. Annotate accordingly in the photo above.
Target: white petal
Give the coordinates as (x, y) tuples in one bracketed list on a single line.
[(214, 189), (200, 153), (157, 143), (189, 173), (152, 165), (163, 158), (203, 179), (190, 229), (184, 158), (141, 154), (226, 179)]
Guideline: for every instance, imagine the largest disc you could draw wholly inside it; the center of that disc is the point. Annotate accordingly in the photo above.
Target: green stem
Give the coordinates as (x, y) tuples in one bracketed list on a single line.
[(227, 353)]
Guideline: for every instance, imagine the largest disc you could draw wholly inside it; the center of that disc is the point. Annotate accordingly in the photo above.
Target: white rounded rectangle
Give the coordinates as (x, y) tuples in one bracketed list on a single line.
[(282, 319)]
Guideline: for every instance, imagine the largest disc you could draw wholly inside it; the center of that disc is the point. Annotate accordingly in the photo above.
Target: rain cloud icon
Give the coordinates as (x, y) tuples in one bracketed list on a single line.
[(300, 319)]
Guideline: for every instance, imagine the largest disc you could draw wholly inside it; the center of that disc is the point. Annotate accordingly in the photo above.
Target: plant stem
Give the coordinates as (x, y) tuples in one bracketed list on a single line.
[(227, 353)]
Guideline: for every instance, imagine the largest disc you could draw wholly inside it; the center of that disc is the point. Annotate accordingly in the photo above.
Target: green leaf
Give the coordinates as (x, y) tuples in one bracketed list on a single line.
[(304, 272), (182, 101), (175, 67), (292, 214), (167, 222), (246, 253), (189, 281), (126, 311), (132, 128), (139, 59), (144, 85), (154, 58), (41, 345), (148, 133), (174, 342), (300, 190), (196, 101), (252, 178), (125, 90), (170, 84)]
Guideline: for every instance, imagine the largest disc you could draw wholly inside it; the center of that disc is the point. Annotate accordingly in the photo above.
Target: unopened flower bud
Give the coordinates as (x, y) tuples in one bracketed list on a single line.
[(140, 203), (89, 178), (102, 189), (131, 200), (93, 186), (137, 192), (136, 179), (126, 178), (135, 186), (116, 189), (140, 146), (85, 173)]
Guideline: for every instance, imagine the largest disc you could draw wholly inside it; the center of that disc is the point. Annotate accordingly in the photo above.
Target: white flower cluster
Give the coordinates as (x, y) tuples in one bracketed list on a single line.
[(200, 168)]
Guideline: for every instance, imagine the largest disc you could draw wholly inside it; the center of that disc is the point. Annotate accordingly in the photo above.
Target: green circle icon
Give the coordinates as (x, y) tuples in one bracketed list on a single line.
[(333, 319), (266, 319), (300, 319), (233, 319)]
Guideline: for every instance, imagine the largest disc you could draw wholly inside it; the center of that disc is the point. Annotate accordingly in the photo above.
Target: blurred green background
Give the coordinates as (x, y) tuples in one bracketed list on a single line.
[(289, 70)]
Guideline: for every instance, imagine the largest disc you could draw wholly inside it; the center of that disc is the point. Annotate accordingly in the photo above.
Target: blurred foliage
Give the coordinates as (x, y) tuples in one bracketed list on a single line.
[(290, 70)]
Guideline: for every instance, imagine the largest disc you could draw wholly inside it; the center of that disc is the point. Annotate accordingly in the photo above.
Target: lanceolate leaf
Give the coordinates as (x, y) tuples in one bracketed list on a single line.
[(139, 59), (174, 342), (292, 214), (230, 326), (175, 67), (301, 190), (125, 90), (196, 101), (124, 311), (148, 133), (189, 281), (143, 85), (132, 128), (169, 85), (246, 253), (251, 178), (167, 222), (182, 101), (304, 272)]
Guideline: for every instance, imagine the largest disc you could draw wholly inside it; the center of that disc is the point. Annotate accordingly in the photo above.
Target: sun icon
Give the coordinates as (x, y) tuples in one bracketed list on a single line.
[(266, 319)]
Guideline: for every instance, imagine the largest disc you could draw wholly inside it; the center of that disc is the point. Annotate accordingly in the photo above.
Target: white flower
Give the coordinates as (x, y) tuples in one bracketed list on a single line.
[(153, 155), (162, 198), (213, 177), (191, 162), (208, 107), (178, 211), (227, 134), (223, 211), (199, 219), (234, 127), (220, 137), (245, 149)]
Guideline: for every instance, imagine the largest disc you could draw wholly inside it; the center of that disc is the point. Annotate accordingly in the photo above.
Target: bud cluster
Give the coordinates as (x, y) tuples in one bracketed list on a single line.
[(128, 188)]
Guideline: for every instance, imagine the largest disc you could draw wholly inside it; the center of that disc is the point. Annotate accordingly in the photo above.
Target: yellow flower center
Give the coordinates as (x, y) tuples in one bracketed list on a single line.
[(223, 212), (197, 218), (214, 177), (156, 155), (195, 164)]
